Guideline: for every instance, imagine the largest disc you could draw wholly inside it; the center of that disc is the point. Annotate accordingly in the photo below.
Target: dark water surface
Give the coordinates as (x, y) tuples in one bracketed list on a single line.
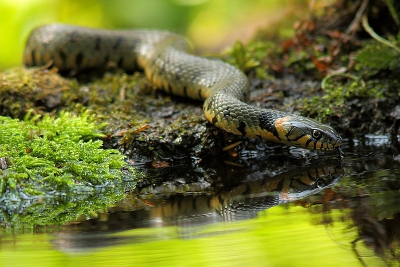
[(295, 208)]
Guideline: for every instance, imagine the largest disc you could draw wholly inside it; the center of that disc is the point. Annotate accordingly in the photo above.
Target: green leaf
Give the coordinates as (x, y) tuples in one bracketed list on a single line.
[(378, 57)]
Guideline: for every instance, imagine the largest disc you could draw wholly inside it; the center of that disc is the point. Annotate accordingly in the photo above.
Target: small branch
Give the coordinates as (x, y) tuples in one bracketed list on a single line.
[(356, 21)]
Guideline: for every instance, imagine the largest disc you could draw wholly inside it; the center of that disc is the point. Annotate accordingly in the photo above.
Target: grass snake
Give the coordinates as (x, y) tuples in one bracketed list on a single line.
[(167, 63)]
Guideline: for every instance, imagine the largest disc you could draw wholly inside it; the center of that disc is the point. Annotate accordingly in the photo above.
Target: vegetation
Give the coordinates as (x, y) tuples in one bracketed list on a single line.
[(47, 158), (358, 80), (54, 166)]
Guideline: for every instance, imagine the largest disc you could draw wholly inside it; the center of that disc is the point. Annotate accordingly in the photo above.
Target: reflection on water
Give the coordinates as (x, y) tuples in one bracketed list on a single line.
[(163, 206), (342, 211)]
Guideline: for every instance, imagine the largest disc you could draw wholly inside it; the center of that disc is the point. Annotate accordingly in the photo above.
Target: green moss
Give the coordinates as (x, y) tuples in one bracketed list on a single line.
[(54, 154), (55, 169), (338, 90), (115, 98), (111, 97), (35, 89), (250, 56)]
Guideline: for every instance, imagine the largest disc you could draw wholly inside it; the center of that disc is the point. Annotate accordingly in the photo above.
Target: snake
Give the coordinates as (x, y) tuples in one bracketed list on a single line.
[(168, 63)]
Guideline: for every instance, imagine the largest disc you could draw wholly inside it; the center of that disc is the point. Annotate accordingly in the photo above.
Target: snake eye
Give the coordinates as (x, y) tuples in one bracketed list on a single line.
[(316, 134)]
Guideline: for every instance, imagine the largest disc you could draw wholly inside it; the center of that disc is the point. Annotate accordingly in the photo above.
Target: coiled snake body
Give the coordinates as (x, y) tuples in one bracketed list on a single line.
[(165, 59)]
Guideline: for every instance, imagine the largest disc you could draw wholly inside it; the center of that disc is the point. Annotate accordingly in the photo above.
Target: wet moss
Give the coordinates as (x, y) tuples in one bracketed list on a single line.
[(43, 155), (49, 160)]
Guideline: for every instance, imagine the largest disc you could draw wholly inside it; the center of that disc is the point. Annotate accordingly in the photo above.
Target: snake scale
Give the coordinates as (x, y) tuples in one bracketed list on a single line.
[(167, 63)]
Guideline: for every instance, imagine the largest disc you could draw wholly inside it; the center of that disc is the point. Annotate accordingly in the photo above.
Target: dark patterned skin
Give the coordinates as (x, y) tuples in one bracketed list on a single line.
[(165, 59)]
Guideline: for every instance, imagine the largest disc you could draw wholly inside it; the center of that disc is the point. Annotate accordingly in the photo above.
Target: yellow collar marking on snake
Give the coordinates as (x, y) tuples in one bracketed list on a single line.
[(165, 59)]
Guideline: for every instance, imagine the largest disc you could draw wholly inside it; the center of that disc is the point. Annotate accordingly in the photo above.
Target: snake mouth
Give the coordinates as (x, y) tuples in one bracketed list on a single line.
[(307, 133)]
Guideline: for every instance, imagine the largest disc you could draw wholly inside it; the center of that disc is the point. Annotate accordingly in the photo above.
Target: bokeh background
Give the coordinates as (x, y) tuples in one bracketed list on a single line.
[(211, 25)]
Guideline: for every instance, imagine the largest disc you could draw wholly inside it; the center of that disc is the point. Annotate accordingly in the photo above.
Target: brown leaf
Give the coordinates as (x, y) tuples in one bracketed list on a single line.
[(157, 164), (322, 64)]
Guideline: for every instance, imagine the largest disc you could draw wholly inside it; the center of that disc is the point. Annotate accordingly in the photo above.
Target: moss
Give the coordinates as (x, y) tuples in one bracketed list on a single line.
[(339, 89), (55, 154), (35, 89), (48, 158), (250, 57), (112, 97)]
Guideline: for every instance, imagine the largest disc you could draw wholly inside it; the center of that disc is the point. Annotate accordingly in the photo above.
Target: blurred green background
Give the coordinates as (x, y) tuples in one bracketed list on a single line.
[(210, 24)]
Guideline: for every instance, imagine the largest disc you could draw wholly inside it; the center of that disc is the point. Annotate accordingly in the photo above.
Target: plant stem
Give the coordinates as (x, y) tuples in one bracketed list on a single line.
[(376, 36)]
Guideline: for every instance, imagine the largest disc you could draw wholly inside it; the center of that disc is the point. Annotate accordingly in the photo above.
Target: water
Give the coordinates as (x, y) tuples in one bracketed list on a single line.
[(292, 208)]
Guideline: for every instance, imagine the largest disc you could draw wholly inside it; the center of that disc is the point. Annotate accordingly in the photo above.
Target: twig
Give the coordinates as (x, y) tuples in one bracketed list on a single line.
[(356, 21)]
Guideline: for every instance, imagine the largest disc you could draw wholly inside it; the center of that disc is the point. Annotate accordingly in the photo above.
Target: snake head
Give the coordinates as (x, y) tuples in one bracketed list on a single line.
[(308, 133)]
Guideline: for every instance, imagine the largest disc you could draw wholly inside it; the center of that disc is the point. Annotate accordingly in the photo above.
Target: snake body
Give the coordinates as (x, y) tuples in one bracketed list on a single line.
[(167, 63)]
